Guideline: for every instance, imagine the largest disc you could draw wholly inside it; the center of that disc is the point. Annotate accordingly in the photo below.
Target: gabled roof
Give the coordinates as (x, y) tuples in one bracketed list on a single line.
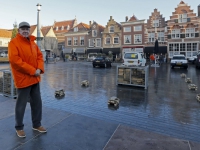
[(81, 26), (32, 28), (64, 24), (45, 30), (101, 28), (133, 18), (5, 33)]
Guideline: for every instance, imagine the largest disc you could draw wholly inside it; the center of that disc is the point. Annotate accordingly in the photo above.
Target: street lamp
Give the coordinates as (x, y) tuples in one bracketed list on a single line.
[(38, 25)]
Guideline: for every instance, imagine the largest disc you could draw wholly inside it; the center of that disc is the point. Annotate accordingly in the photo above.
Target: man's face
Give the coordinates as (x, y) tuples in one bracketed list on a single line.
[(24, 31)]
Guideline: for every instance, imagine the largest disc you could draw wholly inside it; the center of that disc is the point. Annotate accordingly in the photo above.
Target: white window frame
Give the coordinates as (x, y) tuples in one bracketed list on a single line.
[(94, 33), (161, 36), (62, 28), (57, 28), (182, 18), (127, 37), (155, 23), (151, 37), (189, 32), (91, 42), (117, 40), (109, 40), (68, 27), (82, 40), (175, 34), (136, 37), (75, 41), (69, 40), (127, 29), (111, 29), (98, 42), (76, 29), (137, 28)]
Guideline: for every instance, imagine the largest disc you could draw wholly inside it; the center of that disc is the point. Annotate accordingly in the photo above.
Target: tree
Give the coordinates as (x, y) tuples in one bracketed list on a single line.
[(14, 31)]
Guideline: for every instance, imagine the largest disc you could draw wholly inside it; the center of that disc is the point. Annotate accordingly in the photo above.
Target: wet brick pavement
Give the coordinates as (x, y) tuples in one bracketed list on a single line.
[(167, 107)]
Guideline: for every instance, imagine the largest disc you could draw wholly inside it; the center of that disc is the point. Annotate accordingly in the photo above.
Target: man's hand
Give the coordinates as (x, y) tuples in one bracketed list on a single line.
[(37, 72)]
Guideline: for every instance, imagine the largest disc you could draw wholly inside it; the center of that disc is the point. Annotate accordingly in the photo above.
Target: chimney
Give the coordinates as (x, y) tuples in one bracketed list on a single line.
[(126, 19), (110, 17), (90, 22), (198, 9)]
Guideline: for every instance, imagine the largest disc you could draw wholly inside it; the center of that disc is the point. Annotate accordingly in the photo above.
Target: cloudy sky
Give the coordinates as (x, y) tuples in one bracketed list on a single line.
[(84, 10)]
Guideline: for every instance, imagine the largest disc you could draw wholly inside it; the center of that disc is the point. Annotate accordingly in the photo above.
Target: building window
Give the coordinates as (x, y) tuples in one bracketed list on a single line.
[(127, 29), (82, 40), (75, 41), (189, 48), (138, 38), (108, 40), (69, 41), (94, 33), (68, 27), (161, 36), (56, 28), (98, 43), (116, 40), (155, 23), (76, 29), (112, 29), (190, 32), (137, 28), (182, 18), (182, 47), (194, 46), (62, 28), (175, 33), (91, 42), (127, 39), (151, 37)]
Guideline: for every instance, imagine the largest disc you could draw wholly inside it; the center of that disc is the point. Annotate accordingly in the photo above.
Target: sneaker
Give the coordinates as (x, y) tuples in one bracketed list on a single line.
[(21, 133), (40, 129)]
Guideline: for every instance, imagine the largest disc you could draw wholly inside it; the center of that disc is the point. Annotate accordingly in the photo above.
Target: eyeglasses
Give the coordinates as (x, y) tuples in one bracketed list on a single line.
[(23, 29)]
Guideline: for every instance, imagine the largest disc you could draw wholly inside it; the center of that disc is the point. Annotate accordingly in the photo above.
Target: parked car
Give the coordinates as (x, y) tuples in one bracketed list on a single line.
[(179, 61), (101, 62), (192, 59), (134, 59), (91, 56)]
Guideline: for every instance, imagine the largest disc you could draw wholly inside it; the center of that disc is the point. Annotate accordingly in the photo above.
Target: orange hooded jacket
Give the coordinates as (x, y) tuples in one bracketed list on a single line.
[(25, 57)]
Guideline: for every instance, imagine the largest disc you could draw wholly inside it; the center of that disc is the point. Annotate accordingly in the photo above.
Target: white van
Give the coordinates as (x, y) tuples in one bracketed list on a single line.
[(134, 59)]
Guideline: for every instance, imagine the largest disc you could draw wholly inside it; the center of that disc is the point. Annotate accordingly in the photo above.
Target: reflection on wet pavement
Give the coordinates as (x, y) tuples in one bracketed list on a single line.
[(167, 106)]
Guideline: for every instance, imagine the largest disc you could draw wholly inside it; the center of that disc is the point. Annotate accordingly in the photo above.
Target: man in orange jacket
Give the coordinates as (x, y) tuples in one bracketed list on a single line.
[(26, 62)]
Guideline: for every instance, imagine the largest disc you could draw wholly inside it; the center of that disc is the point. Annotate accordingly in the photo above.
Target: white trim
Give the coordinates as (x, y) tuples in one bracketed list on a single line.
[(77, 33)]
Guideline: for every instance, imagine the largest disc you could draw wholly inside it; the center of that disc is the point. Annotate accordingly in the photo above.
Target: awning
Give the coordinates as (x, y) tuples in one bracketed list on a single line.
[(162, 49), (113, 50), (94, 50), (67, 50), (79, 50)]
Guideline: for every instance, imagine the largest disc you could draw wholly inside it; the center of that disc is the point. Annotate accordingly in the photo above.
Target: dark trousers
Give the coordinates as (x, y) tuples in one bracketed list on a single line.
[(31, 93)]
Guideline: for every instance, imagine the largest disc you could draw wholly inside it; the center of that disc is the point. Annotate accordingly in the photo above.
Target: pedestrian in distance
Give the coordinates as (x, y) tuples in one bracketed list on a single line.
[(26, 62), (47, 58)]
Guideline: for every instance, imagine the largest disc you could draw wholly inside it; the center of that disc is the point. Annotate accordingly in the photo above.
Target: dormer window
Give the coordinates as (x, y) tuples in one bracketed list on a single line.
[(76, 29), (68, 27), (57, 28), (62, 28)]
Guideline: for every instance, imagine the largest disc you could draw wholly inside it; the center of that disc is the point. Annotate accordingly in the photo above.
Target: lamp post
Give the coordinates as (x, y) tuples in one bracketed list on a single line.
[(38, 25)]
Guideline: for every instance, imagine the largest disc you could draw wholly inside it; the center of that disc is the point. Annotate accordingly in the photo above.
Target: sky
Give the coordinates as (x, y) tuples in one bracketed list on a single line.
[(84, 10)]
